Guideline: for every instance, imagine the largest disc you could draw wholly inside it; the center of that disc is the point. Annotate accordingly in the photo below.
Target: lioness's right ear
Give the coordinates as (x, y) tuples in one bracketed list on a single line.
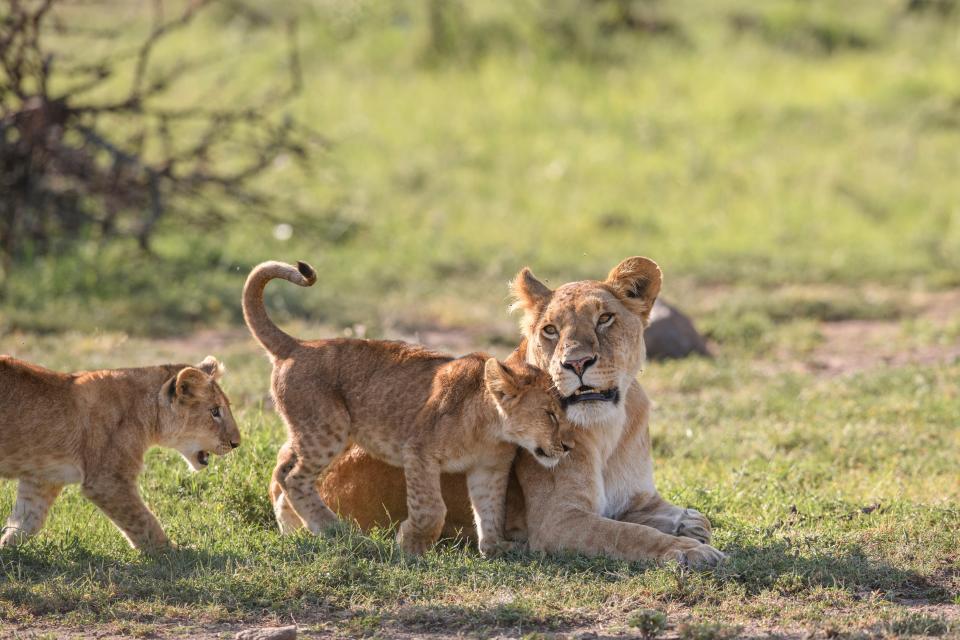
[(530, 296), (637, 280), (189, 381), (499, 380)]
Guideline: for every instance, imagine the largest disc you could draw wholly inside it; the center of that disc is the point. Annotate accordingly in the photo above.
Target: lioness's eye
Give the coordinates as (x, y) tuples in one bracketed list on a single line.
[(549, 330), (604, 319), (216, 412), (553, 418)]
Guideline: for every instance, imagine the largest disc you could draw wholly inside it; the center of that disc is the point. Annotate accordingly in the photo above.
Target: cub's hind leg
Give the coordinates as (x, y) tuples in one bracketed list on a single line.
[(34, 498), (287, 518), (315, 441)]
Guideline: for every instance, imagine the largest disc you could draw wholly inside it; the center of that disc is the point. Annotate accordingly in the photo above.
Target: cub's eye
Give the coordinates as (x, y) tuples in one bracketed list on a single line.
[(553, 418), (549, 330), (216, 412), (604, 319)]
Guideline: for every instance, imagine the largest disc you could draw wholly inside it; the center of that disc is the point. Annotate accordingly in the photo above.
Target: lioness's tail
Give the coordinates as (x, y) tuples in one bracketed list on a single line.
[(277, 343)]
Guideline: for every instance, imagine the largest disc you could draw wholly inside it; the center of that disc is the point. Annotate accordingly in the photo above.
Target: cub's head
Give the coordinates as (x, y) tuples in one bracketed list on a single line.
[(531, 410), (589, 335), (201, 422)]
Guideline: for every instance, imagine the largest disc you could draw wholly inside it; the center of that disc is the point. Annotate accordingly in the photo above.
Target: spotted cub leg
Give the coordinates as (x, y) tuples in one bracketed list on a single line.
[(117, 496), (310, 455), (34, 498), (488, 497), (425, 508), (287, 518)]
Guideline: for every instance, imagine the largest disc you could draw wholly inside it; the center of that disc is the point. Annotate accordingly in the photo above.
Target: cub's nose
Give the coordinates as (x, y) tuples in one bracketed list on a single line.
[(566, 447), (579, 365)]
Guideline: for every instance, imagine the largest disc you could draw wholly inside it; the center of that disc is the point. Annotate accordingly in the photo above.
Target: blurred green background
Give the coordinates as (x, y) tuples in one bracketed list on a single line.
[(744, 146)]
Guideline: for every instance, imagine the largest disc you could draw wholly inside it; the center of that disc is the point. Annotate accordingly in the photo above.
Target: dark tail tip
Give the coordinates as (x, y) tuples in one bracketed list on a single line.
[(308, 272)]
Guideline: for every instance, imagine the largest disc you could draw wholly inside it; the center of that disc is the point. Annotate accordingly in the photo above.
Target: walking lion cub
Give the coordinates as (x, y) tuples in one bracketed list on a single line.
[(93, 427), (409, 406)]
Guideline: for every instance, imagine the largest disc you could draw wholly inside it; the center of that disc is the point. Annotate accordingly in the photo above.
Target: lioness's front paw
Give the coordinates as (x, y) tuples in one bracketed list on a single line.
[(696, 555), (494, 548), (413, 542), (693, 524)]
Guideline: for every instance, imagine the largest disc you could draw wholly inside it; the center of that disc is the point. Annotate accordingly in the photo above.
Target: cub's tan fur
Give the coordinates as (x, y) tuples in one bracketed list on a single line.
[(94, 427), (424, 411), (602, 499)]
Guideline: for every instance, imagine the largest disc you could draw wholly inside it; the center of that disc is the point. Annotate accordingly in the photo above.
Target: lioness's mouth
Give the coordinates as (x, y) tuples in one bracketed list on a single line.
[(589, 394)]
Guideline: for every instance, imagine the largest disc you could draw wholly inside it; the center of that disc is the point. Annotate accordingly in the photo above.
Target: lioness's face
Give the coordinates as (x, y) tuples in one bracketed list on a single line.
[(589, 336), (531, 409), (203, 422)]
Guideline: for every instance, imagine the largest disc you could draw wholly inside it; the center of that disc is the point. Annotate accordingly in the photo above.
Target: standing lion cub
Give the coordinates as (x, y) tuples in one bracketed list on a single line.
[(411, 407), (93, 427)]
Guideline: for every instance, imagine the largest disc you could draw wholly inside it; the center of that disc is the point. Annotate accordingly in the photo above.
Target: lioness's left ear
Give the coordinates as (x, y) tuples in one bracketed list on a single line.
[(189, 381), (530, 296), (212, 367), (637, 280)]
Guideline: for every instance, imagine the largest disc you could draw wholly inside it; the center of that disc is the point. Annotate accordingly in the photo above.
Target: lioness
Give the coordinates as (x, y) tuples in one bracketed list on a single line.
[(602, 500), (409, 406), (93, 427)]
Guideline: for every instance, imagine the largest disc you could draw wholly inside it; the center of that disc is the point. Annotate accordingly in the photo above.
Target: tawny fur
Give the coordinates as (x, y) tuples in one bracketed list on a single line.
[(602, 499), (94, 427), (411, 407)]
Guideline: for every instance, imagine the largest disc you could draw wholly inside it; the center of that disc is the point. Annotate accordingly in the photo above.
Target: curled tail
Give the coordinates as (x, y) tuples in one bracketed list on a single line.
[(277, 343)]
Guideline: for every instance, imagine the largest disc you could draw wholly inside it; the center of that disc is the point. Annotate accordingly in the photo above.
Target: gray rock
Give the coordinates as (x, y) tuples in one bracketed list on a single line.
[(671, 334), (269, 633)]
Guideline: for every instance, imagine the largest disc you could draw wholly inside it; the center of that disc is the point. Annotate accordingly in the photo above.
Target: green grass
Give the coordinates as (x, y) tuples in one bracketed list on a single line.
[(836, 500)]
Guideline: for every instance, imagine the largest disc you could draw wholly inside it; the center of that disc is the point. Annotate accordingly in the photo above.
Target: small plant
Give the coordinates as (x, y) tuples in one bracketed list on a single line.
[(650, 622)]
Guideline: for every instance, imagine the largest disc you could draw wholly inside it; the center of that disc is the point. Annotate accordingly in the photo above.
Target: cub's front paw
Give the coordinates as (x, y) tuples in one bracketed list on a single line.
[(693, 524), (413, 542), (696, 555), (494, 548)]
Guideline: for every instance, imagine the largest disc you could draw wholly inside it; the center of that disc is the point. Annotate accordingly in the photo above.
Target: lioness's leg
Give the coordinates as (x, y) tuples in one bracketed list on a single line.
[(117, 497), (654, 511), (488, 496), (34, 498), (425, 508)]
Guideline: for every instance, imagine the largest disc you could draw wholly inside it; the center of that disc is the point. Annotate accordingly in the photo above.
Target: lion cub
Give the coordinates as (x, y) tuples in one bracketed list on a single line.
[(93, 427), (427, 412)]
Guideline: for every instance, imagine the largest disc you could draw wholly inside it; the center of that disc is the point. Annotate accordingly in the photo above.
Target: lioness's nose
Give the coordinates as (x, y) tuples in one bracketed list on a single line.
[(579, 365), (566, 447), (234, 445)]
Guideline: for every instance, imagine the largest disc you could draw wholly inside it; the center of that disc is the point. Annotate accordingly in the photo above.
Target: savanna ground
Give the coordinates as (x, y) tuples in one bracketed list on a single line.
[(793, 168)]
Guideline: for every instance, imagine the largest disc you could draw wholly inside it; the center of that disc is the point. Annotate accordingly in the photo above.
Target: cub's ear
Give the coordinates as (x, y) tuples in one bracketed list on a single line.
[(190, 381), (530, 296), (499, 381), (637, 281), (212, 367)]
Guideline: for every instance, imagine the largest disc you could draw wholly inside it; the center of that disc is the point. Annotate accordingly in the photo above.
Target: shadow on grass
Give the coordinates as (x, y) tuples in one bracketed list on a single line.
[(782, 568), (312, 575)]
